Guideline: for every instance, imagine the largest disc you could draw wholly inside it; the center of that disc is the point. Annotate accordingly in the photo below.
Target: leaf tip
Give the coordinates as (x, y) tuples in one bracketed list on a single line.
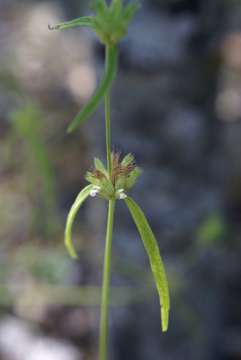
[(73, 254), (69, 244), (52, 27), (164, 319), (69, 129)]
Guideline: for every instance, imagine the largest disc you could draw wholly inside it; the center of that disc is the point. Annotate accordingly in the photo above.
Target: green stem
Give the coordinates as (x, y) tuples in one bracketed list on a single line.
[(107, 118), (104, 313)]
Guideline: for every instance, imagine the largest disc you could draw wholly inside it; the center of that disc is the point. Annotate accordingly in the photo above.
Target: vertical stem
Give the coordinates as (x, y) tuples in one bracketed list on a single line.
[(107, 119), (104, 313)]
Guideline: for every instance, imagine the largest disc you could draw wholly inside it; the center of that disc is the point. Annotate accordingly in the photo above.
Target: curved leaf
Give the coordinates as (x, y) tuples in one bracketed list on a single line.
[(84, 21), (92, 104), (156, 263), (84, 193)]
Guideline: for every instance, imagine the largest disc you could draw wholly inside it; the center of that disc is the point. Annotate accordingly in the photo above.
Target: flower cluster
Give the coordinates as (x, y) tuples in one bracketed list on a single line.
[(124, 174)]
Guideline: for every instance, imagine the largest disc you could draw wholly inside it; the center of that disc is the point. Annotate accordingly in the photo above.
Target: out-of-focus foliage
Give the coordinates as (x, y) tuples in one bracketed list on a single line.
[(211, 232), (27, 125)]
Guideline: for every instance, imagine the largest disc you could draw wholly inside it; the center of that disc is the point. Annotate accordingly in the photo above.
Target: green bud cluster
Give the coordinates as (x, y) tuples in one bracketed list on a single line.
[(110, 22), (123, 177)]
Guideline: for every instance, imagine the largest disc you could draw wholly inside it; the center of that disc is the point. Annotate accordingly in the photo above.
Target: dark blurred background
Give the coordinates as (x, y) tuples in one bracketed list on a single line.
[(176, 105)]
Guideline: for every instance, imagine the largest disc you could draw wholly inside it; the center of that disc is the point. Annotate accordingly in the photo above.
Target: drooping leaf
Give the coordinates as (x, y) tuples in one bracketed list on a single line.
[(156, 263), (92, 104), (84, 193)]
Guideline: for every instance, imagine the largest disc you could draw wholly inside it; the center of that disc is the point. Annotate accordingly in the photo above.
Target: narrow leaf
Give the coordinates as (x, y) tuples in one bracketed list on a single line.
[(84, 21), (130, 11), (92, 104), (84, 193), (92, 179), (132, 178), (156, 263), (100, 166), (99, 6), (116, 8), (128, 159)]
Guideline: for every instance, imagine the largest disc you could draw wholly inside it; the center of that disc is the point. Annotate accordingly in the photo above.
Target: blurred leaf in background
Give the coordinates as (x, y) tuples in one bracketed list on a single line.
[(40, 179), (211, 231)]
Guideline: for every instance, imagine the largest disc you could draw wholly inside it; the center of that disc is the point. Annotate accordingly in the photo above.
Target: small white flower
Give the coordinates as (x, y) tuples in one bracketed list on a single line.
[(121, 194), (94, 191)]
